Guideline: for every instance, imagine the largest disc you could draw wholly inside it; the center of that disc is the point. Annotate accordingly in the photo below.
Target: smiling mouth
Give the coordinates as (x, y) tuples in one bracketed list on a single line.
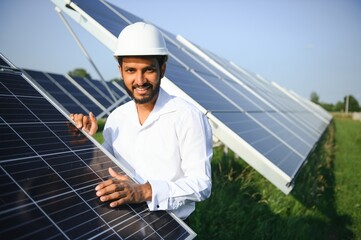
[(142, 89)]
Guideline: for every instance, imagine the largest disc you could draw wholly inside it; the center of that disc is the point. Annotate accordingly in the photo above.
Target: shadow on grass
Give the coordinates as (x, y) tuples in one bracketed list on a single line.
[(245, 206), (316, 187)]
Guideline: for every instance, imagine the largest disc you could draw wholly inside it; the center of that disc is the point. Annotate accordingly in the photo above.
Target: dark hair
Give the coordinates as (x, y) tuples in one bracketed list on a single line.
[(160, 58)]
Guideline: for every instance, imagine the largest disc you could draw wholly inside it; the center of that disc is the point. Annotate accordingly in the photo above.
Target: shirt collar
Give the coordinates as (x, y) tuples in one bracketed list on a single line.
[(163, 105)]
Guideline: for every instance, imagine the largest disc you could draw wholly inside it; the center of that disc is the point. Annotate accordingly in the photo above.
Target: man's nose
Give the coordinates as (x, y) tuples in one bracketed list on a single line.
[(139, 78)]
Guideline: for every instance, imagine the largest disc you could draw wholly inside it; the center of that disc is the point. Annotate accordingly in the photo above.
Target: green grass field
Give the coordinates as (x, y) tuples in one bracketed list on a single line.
[(325, 203)]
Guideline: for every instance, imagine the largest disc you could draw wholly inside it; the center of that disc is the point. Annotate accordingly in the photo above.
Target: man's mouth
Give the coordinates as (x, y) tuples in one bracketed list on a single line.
[(142, 89)]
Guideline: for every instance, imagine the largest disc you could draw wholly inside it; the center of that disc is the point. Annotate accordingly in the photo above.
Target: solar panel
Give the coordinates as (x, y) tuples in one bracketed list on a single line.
[(117, 95), (58, 92), (96, 93), (263, 124), (77, 95), (117, 89), (3, 63), (48, 175)]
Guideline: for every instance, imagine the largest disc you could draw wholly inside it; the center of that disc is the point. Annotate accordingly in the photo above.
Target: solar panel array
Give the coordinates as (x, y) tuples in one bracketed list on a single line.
[(49, 170), (81, 95), (269, 127)]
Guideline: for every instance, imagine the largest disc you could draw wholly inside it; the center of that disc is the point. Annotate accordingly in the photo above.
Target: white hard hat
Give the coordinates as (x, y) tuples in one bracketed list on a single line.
[(140, 39)]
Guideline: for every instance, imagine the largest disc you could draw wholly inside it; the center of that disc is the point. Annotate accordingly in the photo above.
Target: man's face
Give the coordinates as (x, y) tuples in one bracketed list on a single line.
[(141, 76)]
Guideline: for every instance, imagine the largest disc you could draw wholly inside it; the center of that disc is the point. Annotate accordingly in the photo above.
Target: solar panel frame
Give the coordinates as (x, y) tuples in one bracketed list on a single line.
[(52, 167)]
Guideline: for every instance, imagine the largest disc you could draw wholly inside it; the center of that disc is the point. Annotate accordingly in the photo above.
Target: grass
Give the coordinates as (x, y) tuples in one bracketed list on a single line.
[(348, 171), (325, 203), (99, 137)]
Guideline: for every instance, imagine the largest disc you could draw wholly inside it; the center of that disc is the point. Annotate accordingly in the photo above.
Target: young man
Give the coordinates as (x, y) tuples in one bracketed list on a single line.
[(166, 140)]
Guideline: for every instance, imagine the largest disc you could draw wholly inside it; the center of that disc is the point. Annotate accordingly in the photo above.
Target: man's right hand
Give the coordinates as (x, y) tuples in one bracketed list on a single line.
[(85, 123)]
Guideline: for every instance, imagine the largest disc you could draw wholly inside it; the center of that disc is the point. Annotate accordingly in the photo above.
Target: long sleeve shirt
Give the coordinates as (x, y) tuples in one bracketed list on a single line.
[(172, 151)]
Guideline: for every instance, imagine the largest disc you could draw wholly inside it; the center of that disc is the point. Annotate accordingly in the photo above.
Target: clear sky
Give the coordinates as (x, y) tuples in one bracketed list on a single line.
[(305, 45)]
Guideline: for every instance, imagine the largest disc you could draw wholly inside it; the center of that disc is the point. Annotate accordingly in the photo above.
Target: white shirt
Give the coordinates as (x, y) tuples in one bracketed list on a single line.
[(172, 150)]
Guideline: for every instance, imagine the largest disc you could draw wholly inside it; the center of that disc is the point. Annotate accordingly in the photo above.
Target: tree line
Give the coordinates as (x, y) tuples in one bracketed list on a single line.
[(349, 104)]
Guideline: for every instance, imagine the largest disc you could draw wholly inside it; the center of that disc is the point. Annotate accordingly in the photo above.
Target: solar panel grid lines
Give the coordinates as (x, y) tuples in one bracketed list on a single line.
[(48, 189), (257, 81), (102, 92), (117, 103), (86, 93), (82, 98), (115, 11), (67, 97), (286, 128), (208, 80), (308, 125), (268, 100), (231, 75), (72, 92), (54, 91), (318, 110), (251, 155), (116, 87), (93, 91)]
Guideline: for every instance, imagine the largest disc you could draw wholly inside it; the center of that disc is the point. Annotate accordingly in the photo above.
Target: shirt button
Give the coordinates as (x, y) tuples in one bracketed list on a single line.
[(157, 206)]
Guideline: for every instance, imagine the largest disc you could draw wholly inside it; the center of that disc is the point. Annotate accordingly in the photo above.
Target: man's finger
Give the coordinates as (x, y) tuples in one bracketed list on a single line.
[(85, 123), (119, 202), (117, 176), (78, 119), (113, 173), (113, 196), (103, 184), (93, 124)]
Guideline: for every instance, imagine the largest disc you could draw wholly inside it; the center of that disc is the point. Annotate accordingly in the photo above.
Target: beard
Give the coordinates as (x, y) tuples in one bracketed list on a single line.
[(145, 99)]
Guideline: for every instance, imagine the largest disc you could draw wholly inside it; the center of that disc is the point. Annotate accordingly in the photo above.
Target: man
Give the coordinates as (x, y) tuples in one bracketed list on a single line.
[(166, 140)]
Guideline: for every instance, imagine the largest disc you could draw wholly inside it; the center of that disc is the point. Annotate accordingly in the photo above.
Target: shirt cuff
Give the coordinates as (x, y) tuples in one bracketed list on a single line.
[(160, 195)]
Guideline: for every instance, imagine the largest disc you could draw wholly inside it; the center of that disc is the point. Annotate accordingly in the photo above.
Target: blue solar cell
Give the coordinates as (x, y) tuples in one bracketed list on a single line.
[(76, 93), (66, 101), (198, 90), (116, 92), (106, 102), (269, 145), (111, 20)]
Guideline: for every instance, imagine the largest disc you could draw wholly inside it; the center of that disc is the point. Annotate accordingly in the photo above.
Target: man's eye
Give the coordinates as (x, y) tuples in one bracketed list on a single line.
[(150, 70)]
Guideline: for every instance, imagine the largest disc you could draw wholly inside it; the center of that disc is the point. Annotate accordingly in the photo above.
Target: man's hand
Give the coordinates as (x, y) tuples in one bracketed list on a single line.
[(122, 190), (86, 123)]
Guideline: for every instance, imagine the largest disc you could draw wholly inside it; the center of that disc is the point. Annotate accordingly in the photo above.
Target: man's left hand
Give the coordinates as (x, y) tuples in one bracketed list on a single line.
[(122, 190)]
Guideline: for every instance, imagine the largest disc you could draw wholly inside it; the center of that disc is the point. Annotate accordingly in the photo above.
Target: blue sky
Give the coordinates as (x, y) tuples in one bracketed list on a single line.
[(304, 46)]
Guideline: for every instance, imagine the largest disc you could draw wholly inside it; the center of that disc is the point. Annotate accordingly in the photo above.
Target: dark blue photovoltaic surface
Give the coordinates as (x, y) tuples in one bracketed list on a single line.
[(99, 96), (76, 93), (62, 97), (48, 172)]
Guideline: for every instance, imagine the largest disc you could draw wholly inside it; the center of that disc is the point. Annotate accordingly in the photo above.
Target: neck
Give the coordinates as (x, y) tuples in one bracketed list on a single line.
[(145, 109)]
